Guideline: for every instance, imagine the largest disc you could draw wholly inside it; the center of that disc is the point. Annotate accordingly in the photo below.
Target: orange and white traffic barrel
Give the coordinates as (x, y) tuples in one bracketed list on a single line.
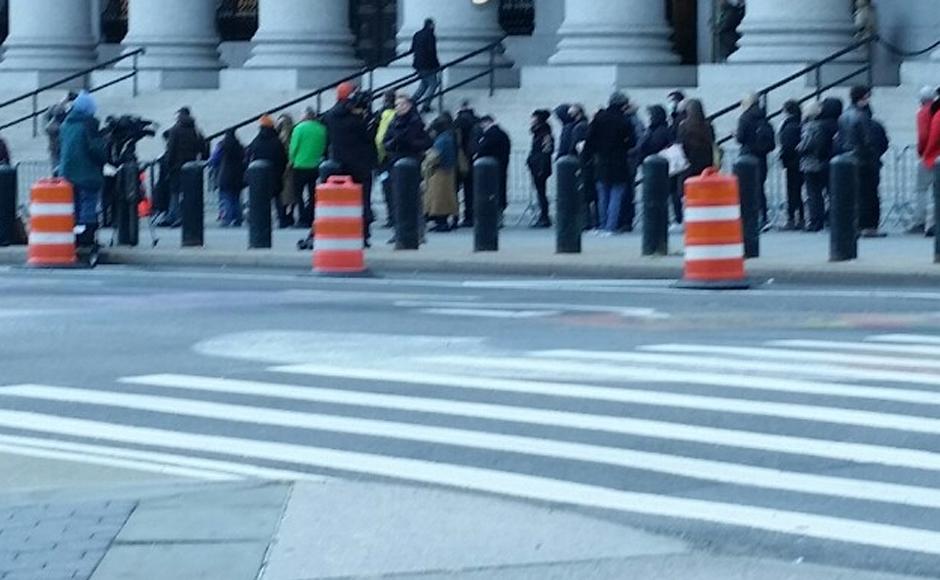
[(339, 230), (52, 225), (714, 236)]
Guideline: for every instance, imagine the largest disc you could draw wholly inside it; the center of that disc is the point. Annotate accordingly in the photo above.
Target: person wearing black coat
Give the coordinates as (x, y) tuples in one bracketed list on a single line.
[(406, 138), (610, 138), (789, 137), (658, 135), (495, 143), (467, 129), (856, 137), (185, 143), (229, 161), (756, 138), (267, 146), (426, 64), (539, 163), (571, 142), (816, 149)]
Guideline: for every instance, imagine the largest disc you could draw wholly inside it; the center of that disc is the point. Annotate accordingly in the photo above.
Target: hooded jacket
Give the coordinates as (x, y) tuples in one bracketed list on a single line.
[(610, 138), (307, 144), (229, 159), (789, 137), (539, 160), (267, 146), (185, 144), (573, 131), (748, 127), (817, 138), (352, 145), (855, 136), (407, 137), (83, 151), (658, 135)]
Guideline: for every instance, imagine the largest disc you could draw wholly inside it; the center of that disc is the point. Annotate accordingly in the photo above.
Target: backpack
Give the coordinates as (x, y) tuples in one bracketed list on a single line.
[(765, 140)]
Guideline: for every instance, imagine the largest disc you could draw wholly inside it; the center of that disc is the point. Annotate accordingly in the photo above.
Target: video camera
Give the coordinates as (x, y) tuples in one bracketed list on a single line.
[(123, 133)]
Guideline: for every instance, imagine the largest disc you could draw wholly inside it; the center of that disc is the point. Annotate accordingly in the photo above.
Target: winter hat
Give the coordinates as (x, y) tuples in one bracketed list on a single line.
[(619, 99), (345, 90), (266, 121), (542, 115), (85, 103)]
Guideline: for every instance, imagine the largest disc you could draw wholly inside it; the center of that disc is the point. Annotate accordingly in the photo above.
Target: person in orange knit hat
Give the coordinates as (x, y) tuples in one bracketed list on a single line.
[(266, 121)]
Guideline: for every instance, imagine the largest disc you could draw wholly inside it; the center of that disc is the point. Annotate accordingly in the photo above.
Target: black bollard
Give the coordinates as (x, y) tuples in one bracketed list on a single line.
[(486, 210), (406, 186), (936, 213), (656, 206), (126, 198), (569, 206), (193, 203), (7, 204), (843, 211), (261, 188), (747, 170)]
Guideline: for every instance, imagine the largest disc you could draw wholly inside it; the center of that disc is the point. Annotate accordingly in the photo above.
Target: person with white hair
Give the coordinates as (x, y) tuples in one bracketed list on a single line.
[(923, 218)]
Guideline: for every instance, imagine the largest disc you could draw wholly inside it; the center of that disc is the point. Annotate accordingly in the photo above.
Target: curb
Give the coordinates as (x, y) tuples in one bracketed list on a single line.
[(828, 274)]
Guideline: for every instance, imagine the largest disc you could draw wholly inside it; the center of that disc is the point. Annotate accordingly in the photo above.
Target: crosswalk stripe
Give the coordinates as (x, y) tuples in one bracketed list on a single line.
[(799, 356), (767, 383), (211, 466), (906, 338), (651, 397), (489, 313), (145, 466), (843, 451), (860, 346), (504, 483), (723, 472)]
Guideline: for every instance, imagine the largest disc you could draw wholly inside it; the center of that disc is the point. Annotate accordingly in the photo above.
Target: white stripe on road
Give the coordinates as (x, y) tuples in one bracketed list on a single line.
[(711, 214), (797, 356), (714, 252), (627, 312), (489, 313), (859, 346), (651, 397), (95, 453), (51, 209), (45, 239), (723, 472), (906, 338), (504, 483), (842, 451), (148, 467), (829, 371)]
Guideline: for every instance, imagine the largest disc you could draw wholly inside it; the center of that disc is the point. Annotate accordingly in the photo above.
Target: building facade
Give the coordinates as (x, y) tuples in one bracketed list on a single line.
[(208, 43)]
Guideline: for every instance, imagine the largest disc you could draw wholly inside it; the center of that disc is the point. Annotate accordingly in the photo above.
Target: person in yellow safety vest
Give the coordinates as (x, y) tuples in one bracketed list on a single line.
[(385, 168)]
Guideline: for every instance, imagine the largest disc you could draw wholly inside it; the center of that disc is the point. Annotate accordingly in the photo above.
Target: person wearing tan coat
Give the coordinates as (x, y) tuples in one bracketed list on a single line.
[(440, 175), (285, 128)]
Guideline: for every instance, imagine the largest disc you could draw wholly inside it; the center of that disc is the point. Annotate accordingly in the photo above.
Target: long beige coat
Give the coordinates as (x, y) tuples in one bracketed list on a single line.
[(440, 188)]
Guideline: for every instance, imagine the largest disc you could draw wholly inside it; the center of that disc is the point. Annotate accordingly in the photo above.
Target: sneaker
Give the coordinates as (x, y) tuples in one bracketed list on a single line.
[(930, 232), (542, 223), (917, 229), (677, 228), (872, 233), (766, 227), (466, 224)]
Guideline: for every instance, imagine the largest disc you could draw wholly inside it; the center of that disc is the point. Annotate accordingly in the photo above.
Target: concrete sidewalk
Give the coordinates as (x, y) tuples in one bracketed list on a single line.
[(342, 529), (784, 256)]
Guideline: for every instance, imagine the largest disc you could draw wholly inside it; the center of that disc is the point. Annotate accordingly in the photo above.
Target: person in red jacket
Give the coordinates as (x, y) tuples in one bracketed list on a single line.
[(928, 149)]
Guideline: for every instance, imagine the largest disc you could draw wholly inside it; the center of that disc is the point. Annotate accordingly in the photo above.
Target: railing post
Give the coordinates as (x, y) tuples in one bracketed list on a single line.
[(136, 88), (493, 70), (35, 115)]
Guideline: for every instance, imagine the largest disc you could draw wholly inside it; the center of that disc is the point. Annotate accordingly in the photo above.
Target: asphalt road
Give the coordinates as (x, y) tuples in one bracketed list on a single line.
[(785, 422)]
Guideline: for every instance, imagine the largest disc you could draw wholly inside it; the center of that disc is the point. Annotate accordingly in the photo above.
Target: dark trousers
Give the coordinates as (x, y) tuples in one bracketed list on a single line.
[(817, 182), (541, 191), (504, 188), (762, 187), (389, 196), (628, 207), (589, 191), (465, 182), (364, 178), (676, 195), (795, 194), (869, 205), (306, 179)]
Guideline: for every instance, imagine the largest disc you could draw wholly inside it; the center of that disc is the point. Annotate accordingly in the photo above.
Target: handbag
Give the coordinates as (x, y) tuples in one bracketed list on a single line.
[(675, 155)]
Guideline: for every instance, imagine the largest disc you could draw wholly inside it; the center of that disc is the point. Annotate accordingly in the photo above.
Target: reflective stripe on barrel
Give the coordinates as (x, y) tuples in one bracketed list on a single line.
[(52, 224)]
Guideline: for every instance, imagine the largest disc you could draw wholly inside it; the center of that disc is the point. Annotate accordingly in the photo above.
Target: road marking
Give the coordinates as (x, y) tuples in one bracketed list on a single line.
[(723, 472), (798, 356), (626, 312), (488, 313), (829, 371), (859, 346), (842, 451), (906, 338), (159, 460), (504, 483)]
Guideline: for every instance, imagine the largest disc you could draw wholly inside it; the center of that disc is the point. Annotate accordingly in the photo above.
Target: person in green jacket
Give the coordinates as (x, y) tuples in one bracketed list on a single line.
[(83, 153), (307, 149)]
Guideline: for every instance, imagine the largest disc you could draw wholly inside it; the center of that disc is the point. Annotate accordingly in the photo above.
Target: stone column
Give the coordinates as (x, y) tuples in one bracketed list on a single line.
[(461, 27), (614, 32), (180, 38), (794, 31), (49, 37), (311, 34)]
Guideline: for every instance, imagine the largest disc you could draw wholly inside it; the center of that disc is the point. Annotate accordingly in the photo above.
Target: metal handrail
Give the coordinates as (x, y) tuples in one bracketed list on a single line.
[(376, 92), (34, 94)]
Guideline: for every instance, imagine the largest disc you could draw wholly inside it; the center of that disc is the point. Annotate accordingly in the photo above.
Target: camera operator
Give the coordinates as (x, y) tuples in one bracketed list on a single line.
[(351, 134), (83, 154)]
